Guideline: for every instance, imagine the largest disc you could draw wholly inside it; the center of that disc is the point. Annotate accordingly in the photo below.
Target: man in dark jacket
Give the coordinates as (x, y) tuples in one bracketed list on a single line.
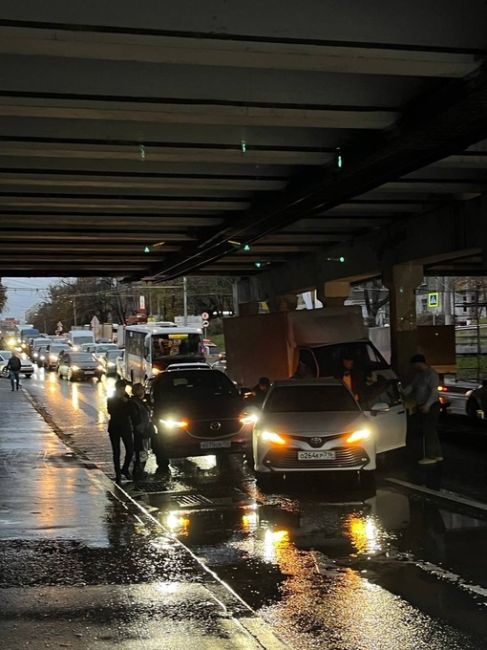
[(143, 429), (260, 390), (120, 428), (13, 366)]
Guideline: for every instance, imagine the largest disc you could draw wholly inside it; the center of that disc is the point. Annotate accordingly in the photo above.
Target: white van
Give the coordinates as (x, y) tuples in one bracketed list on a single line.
[(76, 338)]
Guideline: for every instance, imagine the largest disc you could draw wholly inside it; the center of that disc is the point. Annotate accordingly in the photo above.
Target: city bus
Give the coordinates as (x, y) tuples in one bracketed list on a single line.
[(149, 349)]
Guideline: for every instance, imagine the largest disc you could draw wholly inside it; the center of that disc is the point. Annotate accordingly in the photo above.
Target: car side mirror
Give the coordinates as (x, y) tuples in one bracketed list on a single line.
[(379, 407)]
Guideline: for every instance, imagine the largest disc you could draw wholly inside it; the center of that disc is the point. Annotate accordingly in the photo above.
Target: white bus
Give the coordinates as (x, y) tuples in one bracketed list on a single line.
[(149, 349)]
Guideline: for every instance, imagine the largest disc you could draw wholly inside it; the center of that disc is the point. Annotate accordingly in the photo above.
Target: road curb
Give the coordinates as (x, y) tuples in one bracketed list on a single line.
[(444, 495), (251, 624)]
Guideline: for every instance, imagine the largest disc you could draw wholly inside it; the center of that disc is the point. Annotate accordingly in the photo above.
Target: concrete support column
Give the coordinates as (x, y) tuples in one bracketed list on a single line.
[(402, 280), (289, 302), (245, 300), (333, 294)]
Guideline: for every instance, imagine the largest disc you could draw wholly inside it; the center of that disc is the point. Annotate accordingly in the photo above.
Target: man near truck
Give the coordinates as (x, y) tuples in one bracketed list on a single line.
[(352, 377), (424, 391)]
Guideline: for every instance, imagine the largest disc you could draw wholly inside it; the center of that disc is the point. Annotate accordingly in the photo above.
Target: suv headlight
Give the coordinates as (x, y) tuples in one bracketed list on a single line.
[(172, 423)]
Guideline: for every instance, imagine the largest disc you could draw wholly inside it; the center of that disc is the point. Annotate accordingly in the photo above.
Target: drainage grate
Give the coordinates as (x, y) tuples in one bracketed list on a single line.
[(192, 500)]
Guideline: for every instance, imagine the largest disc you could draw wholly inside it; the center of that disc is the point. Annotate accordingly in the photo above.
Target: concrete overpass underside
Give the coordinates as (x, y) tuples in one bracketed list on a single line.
[(158, 139)]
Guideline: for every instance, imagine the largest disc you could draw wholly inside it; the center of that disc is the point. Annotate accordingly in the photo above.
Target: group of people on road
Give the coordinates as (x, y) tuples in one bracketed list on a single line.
[(130, 424)]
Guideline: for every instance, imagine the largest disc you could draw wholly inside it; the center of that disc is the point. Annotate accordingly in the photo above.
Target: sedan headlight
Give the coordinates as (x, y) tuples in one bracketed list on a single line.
[(358, 436), (171, 423), (249, 418), (273, 437), (75, 368), (42, 357)]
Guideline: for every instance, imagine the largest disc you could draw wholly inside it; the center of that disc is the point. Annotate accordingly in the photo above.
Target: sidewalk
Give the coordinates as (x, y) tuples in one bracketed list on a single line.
[(82, 567)]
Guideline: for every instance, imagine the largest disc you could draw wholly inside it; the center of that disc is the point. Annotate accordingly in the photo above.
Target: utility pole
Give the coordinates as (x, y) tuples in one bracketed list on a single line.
[(75, 316), (185, 300)]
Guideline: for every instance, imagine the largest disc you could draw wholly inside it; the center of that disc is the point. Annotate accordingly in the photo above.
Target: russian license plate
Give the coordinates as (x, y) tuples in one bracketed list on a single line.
[(316, 455), (216, 444)]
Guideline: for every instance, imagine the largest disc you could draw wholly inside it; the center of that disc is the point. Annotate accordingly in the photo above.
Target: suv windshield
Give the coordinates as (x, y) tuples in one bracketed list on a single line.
[(82, 358), (303, 399), (193, 384)]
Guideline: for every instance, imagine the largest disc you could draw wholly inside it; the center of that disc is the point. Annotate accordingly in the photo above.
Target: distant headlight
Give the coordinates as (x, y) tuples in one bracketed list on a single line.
[(358, 436), (273, 437), (75, 368), (111, 364), (42, 357), (170, 424), (35, 355)]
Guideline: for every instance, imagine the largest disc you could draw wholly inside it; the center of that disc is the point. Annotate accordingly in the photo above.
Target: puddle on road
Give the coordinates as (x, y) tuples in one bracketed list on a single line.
[(341, 569)]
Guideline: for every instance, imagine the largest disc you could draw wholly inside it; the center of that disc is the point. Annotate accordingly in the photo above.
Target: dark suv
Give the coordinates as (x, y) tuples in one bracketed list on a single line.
[(198, 412)]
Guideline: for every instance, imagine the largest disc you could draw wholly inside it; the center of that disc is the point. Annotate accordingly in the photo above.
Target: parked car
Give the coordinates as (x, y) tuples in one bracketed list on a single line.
[(476, 402), (77, 365), (198, 412), (107, 362), (26, 368), (317, 425)]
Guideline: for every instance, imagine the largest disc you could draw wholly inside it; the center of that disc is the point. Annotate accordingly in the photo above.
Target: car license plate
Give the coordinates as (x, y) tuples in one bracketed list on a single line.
[(216, 444), (89, 372), (316, 455)]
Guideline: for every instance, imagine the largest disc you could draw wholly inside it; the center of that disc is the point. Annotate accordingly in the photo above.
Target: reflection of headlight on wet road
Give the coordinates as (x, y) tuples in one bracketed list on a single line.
[(274, 542), (176, 522), (364, 534), (249, 521)]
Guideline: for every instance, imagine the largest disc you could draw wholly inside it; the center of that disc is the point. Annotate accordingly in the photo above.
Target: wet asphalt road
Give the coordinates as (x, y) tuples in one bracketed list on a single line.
[(328, 563)]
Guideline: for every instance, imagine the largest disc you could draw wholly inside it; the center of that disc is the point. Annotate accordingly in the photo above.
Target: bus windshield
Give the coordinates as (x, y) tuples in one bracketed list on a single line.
[(176, 344)]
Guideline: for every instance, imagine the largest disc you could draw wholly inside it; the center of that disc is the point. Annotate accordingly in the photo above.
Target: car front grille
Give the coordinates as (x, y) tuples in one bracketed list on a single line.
[(345, 458), (204, 428)]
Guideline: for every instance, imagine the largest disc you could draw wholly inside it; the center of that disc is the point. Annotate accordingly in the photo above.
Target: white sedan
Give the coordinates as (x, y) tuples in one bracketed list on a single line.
[(26, 367), (317, 425)]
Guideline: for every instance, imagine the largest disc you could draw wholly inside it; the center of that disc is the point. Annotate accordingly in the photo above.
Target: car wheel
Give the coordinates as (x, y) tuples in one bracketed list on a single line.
[(28, 375)]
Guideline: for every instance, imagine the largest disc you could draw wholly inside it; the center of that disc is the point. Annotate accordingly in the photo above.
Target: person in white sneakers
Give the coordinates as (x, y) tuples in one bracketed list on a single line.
[(424, 391)]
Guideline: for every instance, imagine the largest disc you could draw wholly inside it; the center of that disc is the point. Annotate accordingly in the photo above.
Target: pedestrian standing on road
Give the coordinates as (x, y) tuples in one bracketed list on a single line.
[(120, 429), (13, 366), (424, 391), (143, 429), (260, 390), (351, 376)]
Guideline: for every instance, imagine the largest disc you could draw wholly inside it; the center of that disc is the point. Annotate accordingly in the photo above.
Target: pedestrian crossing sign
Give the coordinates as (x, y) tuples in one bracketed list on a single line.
[(433, 300)]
